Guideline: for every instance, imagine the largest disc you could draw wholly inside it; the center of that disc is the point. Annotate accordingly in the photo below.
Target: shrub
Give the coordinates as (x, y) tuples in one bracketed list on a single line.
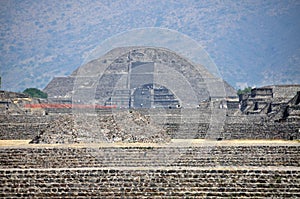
[(34, 92), (244, 91)]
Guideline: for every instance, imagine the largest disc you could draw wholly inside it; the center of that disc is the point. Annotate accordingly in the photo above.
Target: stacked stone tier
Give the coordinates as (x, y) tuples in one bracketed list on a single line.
[(167, 182), (180, 169), (132, 156)]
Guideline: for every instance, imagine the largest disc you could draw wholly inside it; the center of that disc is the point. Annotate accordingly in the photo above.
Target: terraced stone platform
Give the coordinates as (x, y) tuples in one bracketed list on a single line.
[(166, 182), (180, 169)]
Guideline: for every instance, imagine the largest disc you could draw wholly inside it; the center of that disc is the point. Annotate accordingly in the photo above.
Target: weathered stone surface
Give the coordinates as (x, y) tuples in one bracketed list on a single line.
[(150, 183), (238, 155), (122, 126), (105, 75), (235, 127), (60, 130), (204, 170)]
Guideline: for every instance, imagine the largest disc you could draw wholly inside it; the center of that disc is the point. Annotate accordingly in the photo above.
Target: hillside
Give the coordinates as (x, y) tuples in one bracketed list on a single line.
[(253, 42)]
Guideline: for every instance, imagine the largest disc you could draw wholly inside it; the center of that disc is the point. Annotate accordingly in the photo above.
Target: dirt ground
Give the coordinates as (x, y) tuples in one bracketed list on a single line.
[(173, 143)]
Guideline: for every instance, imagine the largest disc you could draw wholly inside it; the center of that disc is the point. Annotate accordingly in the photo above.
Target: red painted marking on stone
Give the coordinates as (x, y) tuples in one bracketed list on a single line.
[(83, 106)]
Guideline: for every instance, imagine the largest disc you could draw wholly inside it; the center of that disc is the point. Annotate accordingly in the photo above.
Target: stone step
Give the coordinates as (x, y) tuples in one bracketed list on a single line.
[(151, 182), (52, 157)]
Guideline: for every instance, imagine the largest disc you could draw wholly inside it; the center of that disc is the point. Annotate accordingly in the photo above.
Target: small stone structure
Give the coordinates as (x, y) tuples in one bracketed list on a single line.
[(271, 100)]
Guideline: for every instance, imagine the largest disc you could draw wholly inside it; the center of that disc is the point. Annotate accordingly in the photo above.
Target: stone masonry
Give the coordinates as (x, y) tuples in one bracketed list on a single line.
[(201, 170)]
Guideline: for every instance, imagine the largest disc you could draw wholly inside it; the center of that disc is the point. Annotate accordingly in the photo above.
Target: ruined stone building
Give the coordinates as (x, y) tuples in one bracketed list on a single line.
[(278, 102)]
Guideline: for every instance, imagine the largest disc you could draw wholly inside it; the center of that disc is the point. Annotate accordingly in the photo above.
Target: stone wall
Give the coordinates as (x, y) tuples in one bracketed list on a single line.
[(177, 125), (21, 127), (60, 87), (193, 156), (285, 92), (9, 95), (264, 130), (149, 183), (210, 170), (234, 127), (20, 131)]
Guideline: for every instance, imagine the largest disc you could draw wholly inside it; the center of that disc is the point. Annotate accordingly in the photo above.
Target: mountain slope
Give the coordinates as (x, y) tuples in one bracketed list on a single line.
[(253, 42)]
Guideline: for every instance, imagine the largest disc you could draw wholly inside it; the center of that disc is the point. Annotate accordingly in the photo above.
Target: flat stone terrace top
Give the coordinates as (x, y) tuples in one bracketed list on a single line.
[(173, 143)]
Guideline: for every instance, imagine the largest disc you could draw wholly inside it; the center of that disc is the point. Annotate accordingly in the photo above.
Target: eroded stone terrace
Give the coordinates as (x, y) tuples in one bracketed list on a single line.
[(150, 183), (180, 169)]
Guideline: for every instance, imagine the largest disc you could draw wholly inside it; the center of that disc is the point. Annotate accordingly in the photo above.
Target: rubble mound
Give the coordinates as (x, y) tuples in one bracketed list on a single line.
[(125, 126), (59, 130)]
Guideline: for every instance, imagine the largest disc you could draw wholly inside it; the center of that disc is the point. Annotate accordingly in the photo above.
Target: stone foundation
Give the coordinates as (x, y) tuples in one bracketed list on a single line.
[(18, 127)]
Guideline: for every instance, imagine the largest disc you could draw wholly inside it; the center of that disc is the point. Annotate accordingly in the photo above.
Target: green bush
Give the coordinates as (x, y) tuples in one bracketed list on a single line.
[(244, 91), (34, 92)]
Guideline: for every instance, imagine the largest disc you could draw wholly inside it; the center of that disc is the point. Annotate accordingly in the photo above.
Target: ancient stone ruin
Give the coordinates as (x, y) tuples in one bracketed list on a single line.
[(144, 122), (132, 127)]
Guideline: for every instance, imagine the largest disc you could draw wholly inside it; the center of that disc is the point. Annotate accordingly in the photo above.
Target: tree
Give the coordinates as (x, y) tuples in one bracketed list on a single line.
[(244, 91), (34, 92)]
